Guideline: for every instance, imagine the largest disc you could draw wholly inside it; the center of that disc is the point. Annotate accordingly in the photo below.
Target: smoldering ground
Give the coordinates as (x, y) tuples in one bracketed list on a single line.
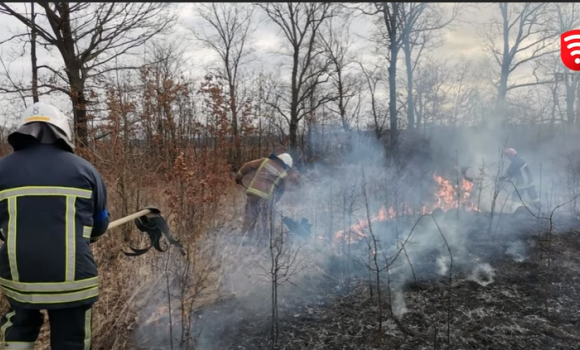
[(368, 226)]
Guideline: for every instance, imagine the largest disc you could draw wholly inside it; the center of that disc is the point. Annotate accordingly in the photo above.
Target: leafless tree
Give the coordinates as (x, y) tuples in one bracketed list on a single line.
[(89, 37), (432, 88), (527, 33), (10, 82), (230, 29), (390, 36), (378, 114), (555, 91), (301, 25), (465, 95), (33, 54), (418, 22), (337, 42)]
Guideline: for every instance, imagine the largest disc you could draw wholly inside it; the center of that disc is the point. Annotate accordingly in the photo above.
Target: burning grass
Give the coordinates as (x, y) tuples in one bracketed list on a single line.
[(323, 308), (494, 291), (446, 196)]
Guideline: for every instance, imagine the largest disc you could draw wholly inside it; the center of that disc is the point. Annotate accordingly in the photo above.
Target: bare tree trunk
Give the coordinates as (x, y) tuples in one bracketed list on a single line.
[(577, 105), (393, 76), (33, 54), (409, 68), (500, 103), (571, 83), (391, 22), (554, 105), (295, 97), (235, 129), (79, 104)]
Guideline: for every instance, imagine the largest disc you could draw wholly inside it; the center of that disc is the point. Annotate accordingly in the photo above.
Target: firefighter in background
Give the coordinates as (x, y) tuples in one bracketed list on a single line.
[(53, 204), (519, 172), (266, 188)]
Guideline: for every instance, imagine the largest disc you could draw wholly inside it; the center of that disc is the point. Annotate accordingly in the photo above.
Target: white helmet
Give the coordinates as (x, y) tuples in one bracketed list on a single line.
[(287, 159), (45, 113)]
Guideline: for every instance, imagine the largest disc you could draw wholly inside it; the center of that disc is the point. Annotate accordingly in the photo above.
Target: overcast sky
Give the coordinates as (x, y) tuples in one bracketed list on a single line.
[(462, 40)]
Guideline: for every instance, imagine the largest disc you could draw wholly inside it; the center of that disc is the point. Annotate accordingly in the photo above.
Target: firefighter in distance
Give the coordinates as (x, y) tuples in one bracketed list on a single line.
[(519, 173), (266, 188)]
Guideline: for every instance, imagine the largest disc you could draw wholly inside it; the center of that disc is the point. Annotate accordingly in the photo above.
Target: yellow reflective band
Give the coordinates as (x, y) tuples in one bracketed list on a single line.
[(274, 171), (71, 195), (21, 345), (270, 168), (257, 193), (30, 287), (88, 328), (251, 188), (71, 242), (87, 230), (45, 191), (11, 239), (37, 118), (7, 325), (51, 298)]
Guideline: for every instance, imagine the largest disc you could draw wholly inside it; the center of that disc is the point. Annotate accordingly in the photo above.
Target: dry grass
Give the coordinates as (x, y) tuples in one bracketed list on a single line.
[(126, 282)]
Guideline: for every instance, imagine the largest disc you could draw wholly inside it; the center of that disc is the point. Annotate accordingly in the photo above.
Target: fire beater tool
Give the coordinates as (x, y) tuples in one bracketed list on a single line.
[(300, 228), (149, 220)]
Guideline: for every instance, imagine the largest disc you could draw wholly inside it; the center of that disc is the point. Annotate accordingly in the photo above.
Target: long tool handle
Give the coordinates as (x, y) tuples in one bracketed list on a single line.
[(128, 218)]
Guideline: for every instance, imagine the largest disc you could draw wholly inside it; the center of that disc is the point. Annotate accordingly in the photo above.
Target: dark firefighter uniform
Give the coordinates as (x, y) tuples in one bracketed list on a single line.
[(266, 187), (52, 206), (519, 172)]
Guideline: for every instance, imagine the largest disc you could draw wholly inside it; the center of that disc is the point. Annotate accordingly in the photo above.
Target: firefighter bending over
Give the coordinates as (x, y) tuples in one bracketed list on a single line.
[(53, 204), (520, 174), (265, 189)]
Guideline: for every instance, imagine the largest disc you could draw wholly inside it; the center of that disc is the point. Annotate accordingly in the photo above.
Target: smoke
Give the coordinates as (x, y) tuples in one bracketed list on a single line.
[(367, 211), (482, 274), (517, 250)]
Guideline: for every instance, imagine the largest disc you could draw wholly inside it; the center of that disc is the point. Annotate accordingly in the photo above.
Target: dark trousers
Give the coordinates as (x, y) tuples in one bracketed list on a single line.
[(257, 215), (70, 329)]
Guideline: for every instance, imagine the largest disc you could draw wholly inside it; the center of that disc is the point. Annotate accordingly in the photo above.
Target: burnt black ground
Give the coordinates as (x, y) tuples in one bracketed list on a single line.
[(531, 304)]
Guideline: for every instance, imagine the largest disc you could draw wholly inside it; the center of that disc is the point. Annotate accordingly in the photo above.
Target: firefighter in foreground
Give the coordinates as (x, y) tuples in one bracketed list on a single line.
[(265, 189), (520, 174), (53, 204)]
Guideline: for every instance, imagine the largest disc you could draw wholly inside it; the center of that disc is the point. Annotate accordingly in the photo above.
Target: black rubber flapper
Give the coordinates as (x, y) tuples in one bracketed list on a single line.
[(300, 228), (154, 226)]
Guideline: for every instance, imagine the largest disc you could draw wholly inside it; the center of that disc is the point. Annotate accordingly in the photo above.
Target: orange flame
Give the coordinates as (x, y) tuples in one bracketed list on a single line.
[(447, 196)]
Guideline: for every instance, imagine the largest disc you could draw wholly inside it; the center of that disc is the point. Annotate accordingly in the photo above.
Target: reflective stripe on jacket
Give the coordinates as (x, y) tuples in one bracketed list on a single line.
[(52, 203), (269, 176)]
